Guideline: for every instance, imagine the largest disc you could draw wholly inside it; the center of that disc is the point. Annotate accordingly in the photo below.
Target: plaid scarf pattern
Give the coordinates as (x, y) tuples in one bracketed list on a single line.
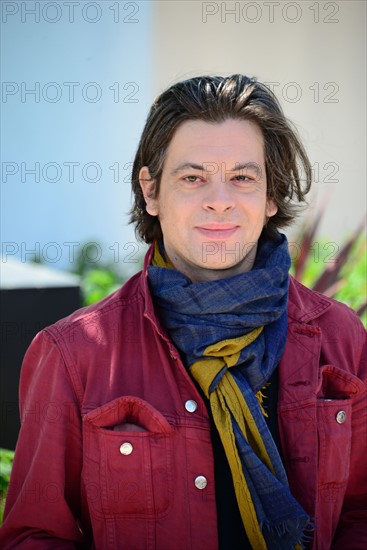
[(231, 333)]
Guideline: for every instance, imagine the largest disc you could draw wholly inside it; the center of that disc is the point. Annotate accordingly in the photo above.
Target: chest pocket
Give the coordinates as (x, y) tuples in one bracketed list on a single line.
[(334, 424), (334, 436), (127, 467)]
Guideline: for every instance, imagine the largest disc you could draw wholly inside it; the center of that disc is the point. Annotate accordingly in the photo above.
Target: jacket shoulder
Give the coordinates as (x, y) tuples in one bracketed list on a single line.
[(108, 310)]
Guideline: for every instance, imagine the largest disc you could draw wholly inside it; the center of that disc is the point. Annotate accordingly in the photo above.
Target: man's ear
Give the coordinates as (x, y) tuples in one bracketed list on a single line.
[(271, 207), (147, 185)]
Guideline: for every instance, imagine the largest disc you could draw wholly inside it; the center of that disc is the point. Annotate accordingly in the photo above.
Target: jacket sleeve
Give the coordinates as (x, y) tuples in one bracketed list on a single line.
[(352, 526), (43, 503)]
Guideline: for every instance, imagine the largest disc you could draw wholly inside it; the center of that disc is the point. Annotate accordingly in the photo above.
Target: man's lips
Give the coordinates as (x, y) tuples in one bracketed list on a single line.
[(217, 230)]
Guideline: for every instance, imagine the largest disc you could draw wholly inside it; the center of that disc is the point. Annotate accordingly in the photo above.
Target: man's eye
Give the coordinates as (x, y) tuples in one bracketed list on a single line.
[(243, 178), (192, 179)]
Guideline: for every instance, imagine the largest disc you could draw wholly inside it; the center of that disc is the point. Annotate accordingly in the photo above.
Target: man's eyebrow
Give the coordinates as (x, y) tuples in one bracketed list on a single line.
[(253, 166), (187, 166)]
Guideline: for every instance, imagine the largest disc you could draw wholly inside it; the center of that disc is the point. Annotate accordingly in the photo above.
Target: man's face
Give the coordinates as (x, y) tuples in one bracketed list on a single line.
[(212, 203)]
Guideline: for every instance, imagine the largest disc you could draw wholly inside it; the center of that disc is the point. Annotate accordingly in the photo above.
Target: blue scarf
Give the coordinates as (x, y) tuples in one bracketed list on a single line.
[(234, 331)]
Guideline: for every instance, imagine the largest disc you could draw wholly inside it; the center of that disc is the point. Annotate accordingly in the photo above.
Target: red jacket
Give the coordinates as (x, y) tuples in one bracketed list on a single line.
[(111, 365)]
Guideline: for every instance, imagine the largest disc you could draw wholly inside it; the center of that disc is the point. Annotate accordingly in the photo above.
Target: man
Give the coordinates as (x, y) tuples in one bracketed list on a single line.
[(213, 401)]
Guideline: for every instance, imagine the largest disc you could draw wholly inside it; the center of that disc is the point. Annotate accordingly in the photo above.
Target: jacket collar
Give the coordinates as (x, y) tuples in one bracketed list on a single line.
[(304, 304), (149, 311), (144, 283)]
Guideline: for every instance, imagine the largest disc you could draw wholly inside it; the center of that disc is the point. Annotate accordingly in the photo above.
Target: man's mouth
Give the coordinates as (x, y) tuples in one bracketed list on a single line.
[(217, 230)]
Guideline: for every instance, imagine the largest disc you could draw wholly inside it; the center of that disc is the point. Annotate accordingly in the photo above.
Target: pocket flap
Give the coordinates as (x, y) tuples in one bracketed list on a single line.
[(129, 410), (335, 383)]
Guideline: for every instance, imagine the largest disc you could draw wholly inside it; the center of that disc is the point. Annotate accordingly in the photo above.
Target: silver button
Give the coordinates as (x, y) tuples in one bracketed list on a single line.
[(341, 417), (191, 406), (126, 448), (201, 482)]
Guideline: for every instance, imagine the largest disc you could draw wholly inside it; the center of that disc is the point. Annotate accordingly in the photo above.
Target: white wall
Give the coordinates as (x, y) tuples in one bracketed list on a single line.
[(318, 61)]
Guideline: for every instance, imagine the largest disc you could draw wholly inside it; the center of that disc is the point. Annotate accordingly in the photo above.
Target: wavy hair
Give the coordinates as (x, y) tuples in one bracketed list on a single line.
[(215, 99)]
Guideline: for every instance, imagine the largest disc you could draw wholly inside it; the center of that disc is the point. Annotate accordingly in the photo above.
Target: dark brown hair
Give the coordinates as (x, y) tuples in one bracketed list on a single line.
[(215, 99)]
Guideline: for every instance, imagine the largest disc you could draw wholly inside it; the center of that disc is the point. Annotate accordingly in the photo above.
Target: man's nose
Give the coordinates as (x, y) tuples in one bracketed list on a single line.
[(219, 197)]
